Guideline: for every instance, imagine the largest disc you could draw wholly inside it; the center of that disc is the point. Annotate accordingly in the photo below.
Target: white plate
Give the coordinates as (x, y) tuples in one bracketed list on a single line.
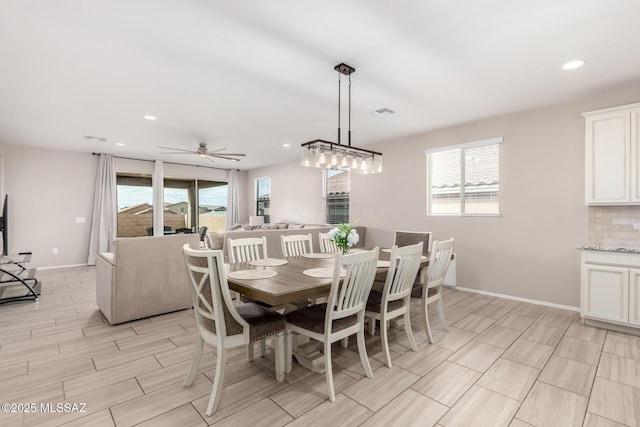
[(322, 272), (268, 262), (382, 263), (318, 255), (252, 274)]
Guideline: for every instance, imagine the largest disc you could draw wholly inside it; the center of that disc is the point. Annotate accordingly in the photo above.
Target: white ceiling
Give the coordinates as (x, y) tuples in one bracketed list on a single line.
[(253, 75)]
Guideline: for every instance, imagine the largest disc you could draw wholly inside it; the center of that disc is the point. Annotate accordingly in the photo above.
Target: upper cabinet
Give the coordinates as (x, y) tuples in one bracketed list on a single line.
[(613, 156)]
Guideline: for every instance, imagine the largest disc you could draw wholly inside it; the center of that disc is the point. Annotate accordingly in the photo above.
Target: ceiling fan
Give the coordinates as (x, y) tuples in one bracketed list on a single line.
[(202, 151)]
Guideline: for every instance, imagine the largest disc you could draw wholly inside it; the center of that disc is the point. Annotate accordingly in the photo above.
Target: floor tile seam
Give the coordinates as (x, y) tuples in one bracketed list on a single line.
[(503, 395), (614, 381), (577, 361), (586, 408)]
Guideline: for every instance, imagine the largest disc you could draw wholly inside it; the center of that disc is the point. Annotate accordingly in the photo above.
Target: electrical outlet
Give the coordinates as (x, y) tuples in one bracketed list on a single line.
[(636, 226), (55, 251)]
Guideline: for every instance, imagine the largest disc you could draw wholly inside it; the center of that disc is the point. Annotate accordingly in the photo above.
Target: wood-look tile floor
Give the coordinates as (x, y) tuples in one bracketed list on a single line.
[(501, 363)]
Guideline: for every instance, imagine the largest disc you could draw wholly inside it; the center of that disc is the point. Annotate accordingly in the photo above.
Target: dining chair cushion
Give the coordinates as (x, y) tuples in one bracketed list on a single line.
[(263, 321), (416, 292), (312, 319), (375, 301)]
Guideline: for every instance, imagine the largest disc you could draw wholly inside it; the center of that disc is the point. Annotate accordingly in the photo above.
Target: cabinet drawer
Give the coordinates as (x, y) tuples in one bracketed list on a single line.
[(629, 260)]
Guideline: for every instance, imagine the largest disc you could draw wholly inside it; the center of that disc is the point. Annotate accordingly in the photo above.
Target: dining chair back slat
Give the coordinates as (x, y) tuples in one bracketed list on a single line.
[(296, 245), (247, 249), (327, 246)]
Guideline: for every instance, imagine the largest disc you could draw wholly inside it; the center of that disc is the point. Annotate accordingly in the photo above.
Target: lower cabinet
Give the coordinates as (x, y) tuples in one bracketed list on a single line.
[(610, 287)]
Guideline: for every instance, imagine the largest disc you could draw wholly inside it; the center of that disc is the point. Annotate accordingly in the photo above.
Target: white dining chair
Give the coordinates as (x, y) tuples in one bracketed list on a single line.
[(431, 280), (395, 299), (341, 316), (296, 245), (246, 249), (327, 246), (222, 324)]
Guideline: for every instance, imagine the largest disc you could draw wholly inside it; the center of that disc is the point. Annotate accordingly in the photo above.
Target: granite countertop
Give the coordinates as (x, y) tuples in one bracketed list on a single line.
[(610, 248)]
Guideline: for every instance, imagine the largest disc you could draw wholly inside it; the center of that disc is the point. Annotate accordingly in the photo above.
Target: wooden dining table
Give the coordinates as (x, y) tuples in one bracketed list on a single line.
[(290, 284)]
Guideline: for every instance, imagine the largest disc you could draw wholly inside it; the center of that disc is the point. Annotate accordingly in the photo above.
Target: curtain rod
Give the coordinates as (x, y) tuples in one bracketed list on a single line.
[(169, 163)]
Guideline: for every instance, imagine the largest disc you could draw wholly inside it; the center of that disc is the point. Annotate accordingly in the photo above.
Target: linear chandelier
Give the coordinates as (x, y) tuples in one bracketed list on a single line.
[(330, 155)]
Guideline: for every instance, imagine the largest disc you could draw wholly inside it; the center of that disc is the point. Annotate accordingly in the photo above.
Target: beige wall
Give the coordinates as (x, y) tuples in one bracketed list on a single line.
[(296, 193), (47, 190)]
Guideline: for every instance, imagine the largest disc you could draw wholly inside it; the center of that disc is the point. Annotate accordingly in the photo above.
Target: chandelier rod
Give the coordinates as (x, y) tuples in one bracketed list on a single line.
[(349, 134), (339, 130)]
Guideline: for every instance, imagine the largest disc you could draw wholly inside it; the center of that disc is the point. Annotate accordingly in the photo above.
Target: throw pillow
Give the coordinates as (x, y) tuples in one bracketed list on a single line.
[(214, 240), (296, 226)]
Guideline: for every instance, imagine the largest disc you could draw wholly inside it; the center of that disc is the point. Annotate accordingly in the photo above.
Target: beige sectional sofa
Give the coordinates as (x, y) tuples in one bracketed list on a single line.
[(144, 276), (218, 240)]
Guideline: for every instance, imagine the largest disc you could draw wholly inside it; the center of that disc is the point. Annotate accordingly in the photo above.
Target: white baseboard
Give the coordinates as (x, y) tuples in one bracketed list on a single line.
[(61, 266), (531, 301)]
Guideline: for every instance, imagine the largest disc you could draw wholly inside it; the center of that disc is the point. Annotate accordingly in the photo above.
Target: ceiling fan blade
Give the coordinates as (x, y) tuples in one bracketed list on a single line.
[(211, 159), (179, 152), (217, 150), (233, 154), (224, 157), (177, 149)]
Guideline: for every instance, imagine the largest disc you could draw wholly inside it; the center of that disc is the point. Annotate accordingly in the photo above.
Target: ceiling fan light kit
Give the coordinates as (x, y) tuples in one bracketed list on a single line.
[(329, 155)]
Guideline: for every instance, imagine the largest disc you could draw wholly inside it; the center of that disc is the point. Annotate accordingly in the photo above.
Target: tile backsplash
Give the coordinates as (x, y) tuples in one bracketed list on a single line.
[(613, 225)]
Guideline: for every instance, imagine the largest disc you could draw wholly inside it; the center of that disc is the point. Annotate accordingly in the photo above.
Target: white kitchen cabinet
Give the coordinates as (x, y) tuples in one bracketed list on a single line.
[(610, 287), (612, 148)]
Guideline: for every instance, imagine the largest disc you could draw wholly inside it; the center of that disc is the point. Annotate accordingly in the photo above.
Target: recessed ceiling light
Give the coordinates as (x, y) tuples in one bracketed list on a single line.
[(383, 112), (150, 117), (571, 65), (286, 145), (121, 144)]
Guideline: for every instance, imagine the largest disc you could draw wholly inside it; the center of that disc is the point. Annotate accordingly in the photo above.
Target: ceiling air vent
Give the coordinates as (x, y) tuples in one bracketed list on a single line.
[(383, 112)]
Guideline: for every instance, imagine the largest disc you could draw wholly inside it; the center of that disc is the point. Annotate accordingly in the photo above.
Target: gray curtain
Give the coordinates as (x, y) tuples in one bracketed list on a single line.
[(158, 199), (103, 223), (233, 205)]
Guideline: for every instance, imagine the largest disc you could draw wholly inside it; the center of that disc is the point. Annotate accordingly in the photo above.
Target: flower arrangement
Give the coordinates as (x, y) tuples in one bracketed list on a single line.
[(344, 236)]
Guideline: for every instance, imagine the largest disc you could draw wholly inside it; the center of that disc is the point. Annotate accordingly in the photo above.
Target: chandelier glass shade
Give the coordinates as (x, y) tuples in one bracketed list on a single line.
[(330, 155)]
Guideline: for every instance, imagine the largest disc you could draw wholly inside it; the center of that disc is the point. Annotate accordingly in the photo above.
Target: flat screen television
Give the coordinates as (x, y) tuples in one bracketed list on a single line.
[(4, 226)]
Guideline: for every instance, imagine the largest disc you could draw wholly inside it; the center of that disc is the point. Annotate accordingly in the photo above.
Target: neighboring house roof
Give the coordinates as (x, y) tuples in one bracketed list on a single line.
[(338, 183), (135, 209), (482, 167)]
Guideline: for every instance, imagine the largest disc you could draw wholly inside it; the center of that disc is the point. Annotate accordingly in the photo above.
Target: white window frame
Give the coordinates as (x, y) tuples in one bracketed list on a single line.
[(324, 195), (468, 145), (255, 194)]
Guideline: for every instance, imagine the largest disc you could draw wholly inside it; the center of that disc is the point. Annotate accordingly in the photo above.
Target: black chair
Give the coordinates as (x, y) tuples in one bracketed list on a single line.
[(149, 231), (184, 230)]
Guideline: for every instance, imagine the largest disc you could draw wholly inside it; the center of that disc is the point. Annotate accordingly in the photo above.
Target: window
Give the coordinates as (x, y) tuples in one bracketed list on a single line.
[(212, 205), (263, 198), (135, 205), (464, 179), (337, 186), (134, 195)]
